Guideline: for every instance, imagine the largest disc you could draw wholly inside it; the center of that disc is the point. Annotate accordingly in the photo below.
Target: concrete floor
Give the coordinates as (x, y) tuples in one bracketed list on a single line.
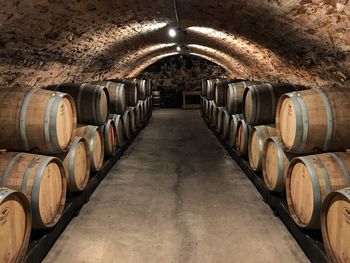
[(176, 196)]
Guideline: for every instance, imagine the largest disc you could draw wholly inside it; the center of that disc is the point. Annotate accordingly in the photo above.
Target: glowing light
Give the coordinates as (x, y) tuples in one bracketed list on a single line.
[(178, 49), (172, 32)]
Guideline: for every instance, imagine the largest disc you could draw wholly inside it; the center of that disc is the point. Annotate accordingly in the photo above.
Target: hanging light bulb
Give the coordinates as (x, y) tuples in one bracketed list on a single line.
[(178, 48), (172, 32)]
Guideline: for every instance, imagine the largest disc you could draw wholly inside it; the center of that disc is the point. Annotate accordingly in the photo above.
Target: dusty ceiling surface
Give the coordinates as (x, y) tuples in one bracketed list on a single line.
[(51, 41)]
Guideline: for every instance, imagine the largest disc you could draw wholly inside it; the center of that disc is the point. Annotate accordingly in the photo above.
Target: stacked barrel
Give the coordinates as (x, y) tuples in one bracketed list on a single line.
[(51, 140), (297, 137)]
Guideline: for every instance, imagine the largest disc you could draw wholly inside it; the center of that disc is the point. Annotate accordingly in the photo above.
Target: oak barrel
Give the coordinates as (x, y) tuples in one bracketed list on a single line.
[(117, 96), (91, 100), (15, 225), (155, 99), (221, 93), (119, 128), (126, 119), (232, 132), (109, 131), (260, 101), (309, 180), (148, 87), (133, 114), (43, 181), (132, 92), (275, 164), (141, 89), (234, 96), (314, 120), (204, 88), (94, 137), (242, 137), (220, 117), (211, 84), (335, 225), (76, 164), (225, 124), (36, 120), (257, 138)]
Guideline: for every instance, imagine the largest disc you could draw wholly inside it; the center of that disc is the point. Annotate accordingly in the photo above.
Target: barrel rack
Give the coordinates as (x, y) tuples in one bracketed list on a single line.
[(42, 241), (309, 240)]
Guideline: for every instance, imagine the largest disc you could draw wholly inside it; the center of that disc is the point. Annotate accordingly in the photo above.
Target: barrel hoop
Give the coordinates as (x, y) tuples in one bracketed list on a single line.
[(85, 131), (71, 175), (96, 96), (314, 221), (9, 167), (280, 183), (305, 115), (28, 172), (37, 220), (53, 125), (91, 145), (47, 122), (329, 112), (261, 145), (327, 181), (80, 92), (273, 99), (342, 167), (22, 118)]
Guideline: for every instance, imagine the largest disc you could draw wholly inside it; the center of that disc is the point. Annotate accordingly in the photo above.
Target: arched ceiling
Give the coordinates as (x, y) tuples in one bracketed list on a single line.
[(50, 41)]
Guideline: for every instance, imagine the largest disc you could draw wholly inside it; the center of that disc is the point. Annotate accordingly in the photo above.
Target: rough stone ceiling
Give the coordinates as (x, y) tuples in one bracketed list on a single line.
[(50, 41)]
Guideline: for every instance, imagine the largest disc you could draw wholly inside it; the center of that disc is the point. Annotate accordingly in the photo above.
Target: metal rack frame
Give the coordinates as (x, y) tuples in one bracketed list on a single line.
[(309, 240)]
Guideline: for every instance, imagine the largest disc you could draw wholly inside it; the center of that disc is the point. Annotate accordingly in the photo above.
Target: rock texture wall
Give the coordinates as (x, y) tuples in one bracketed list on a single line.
[(181, 73), (51, 41)]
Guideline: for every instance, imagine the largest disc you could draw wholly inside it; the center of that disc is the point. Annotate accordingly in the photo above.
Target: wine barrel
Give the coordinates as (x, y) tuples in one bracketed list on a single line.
[(109, 131), (133, 119), (225, 124), (16, 224), (206, 109), (234, 96), (204, 88), (257, 138), (145, 109), (43, 181), (94, 137), (132, 93), (91, 100), (119, 128), (211, 86), (156, 99), (335, 226), (221, 93), (117, 96), (260, 101), (36, 120), (220, 117), (242, 136), (141, 89), (310, 179), (275, 164), (149, 88), (76, 164), (232, 132), (312, 120), (126, 119), (138, 115)]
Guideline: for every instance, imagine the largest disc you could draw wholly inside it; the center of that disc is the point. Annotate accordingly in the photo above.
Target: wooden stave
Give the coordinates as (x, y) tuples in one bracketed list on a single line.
[(345, 193), (235, 118), (86, 97), (331, 140), (34, 194), (19, 129), (317, 190), (68, 164), (119, 128), (110, 150), (5, 194), (246, 131), (264, 132), (265, 107), (89, 132), (226, 123), (283, 161)]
